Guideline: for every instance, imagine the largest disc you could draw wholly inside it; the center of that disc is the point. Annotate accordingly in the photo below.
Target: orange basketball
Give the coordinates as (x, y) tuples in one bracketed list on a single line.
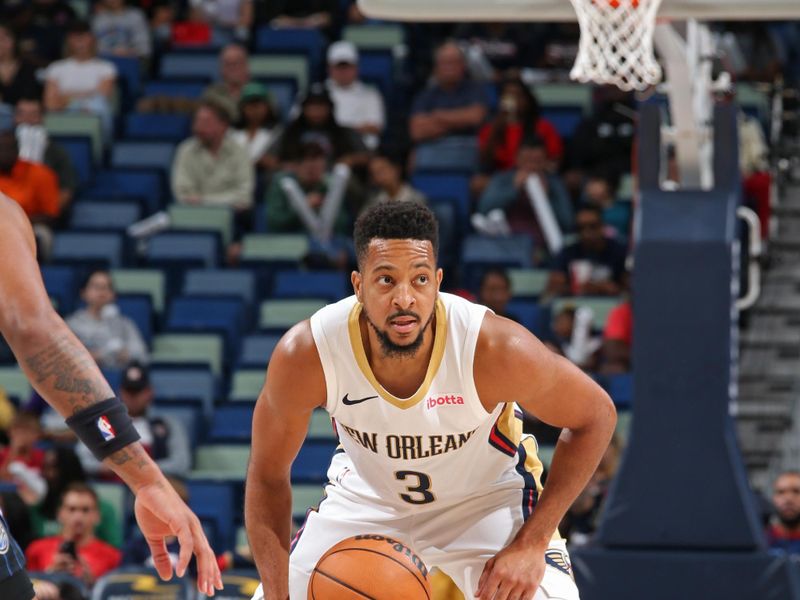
[(369, 566)]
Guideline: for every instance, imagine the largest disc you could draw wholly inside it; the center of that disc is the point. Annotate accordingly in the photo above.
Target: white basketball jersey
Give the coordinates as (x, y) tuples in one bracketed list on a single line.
[(437, 447)]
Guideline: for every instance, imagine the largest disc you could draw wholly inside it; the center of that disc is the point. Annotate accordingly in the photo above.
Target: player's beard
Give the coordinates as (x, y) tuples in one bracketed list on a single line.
[(391, 349)]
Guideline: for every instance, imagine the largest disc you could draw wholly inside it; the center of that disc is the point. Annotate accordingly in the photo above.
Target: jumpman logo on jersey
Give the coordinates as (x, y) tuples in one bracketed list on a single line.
[(349, 402)]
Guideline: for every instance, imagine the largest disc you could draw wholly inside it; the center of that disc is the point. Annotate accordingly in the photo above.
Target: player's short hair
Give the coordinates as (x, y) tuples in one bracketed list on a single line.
[(392, 220)]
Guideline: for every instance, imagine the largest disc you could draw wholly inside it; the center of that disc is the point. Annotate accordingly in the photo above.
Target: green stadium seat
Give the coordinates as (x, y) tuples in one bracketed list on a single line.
[(141, 281), (189, 348), (14, 382), (116, 495), (600, 306), (246, 384), (283, 314), (384, 36), (564, 94), (280, 66), (320, 425), (221, 461), (528, 283), (305, 496), (206, 218), (74, 124), (270, 247), (625, 191)]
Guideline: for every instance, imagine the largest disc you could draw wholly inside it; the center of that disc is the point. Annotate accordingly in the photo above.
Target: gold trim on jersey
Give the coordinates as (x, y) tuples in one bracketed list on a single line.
[(439, 340), (533, 465), (510, 425)]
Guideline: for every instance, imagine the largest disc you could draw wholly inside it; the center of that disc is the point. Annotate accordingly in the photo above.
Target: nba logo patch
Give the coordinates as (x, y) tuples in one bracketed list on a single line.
[(106, 430), (5, 541)]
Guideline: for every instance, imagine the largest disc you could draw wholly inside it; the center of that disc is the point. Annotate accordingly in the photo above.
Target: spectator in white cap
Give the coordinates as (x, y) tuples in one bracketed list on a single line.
[(356, 104)]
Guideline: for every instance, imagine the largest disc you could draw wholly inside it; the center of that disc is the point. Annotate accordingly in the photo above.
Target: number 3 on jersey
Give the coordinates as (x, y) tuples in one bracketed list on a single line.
[(420, 493)]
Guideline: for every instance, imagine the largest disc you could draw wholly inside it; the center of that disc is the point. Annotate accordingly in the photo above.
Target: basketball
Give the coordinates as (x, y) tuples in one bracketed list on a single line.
[(369, 566)]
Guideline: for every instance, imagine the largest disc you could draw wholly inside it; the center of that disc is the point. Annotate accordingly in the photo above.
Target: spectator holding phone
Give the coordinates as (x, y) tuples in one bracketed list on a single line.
[(75, 550)]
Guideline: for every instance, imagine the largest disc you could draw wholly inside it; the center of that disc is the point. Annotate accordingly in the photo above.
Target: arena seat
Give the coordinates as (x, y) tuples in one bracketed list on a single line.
[(88, 248), (77, 125), (620, 388), (113, 216), (231, 423), (129, 77), (126, 583), (190, 415), (280, 315), (221, 461), (564, 95), (145, 155), (203, 218), (141, 281), (529, 314), (284, 249), (450, 188), (15, 384), (451, 153), (564, 118), (189, 65), (601, 306), (171, 88), (328, 285), (312, 462), (239, 283), (283, 92), (480, 252), (189, 348), (198, 313), (304, 497), (61, 283), (214, 501), (256, 350), (139, 309), (375, 36), (183, 250), (79, 149), (282, 66), (307, 42), (145, 185), (119, 498), (154, 126), (528, 283), (246, 384), (377, 67), (320, 426), (184, 386)]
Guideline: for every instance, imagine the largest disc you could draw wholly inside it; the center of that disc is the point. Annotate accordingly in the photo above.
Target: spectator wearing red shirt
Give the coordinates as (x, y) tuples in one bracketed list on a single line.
[(618, 339), (23, 433), (75, 551), (518, 118)]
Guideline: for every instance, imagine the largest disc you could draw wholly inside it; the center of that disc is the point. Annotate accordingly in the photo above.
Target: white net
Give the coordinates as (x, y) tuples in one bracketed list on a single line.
[(616, 45)]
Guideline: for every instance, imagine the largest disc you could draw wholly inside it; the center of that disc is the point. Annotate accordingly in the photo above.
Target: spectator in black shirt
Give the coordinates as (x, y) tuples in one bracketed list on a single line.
[(592, 266), (17, 76)]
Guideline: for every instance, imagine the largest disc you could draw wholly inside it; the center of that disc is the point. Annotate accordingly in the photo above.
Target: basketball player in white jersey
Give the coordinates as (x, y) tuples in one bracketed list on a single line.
[(422, 387), (65, 375)]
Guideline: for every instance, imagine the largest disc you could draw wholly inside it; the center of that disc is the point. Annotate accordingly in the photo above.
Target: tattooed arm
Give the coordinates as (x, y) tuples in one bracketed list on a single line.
[(65, 375)]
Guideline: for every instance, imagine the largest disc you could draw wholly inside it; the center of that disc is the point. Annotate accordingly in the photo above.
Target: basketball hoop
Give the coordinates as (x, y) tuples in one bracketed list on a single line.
[(616, 45)]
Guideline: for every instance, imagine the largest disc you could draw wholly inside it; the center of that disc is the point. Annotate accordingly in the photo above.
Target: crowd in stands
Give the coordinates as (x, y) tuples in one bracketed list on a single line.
[(534, 198)]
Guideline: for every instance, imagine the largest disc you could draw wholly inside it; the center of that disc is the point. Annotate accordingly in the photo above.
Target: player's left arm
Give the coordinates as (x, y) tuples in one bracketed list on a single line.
[(512, 365)]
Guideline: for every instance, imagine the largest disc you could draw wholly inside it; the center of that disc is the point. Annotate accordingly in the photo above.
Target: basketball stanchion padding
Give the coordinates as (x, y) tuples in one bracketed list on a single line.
[(370, 566)]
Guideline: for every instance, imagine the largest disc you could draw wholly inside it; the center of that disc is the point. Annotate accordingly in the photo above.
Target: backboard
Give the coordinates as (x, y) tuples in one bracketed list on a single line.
[(561, 10)]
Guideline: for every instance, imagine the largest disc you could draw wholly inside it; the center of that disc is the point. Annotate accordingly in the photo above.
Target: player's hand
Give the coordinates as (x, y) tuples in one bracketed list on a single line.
[(513, 574), (161, 513)]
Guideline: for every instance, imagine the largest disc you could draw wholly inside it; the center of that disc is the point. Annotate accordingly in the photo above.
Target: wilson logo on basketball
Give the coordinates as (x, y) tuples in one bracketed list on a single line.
[(398, 547), (435, 401)]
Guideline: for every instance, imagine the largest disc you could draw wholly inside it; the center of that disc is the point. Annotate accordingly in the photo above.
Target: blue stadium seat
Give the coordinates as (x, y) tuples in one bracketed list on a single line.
[(174, 89), (128, 75), (114, 216), (620, 388), (530, 314), (214, 501), (221, 282), (327, 285), (190, 313), (312, 462), (144, 185), (184, 385), (565, 119), (283, 93), (189, 65), (61, 283), (479, 252), (377, 68), (79, 149), (189, 415), (113, 377), (256, 350), (88, 248), (168, 127), (452, 153), (231, 423), (183, 250), (309, 42), (143, 155), (139, 309), (447, 188)]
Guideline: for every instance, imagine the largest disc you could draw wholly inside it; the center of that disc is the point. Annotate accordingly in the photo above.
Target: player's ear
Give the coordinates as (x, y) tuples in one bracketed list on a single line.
[(439, 276), (355, 279)]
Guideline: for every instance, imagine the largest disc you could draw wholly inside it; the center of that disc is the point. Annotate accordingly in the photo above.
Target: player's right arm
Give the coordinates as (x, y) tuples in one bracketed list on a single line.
[(294, 387), (64, 373)]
